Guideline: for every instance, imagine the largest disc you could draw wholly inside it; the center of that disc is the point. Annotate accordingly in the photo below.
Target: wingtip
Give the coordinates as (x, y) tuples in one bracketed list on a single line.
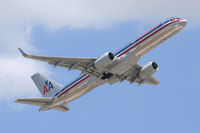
[(17, 101), (22, 52)]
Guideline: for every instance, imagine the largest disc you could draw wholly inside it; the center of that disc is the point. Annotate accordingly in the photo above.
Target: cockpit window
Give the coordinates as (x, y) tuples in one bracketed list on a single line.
[(169, 19), (174, 19)]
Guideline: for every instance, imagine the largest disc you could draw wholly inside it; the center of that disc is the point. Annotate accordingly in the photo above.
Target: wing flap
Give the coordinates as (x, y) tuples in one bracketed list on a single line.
[(152, 81), (35, 101)]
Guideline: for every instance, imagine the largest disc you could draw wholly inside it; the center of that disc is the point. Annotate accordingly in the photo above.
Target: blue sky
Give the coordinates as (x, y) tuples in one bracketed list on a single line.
[(172, 106)]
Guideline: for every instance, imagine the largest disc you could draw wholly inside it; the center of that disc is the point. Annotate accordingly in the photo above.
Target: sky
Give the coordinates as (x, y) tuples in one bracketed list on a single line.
[(88, 29)]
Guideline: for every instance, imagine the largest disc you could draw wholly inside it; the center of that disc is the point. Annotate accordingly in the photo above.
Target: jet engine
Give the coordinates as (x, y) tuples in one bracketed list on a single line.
[(147, 70), (104, 60)]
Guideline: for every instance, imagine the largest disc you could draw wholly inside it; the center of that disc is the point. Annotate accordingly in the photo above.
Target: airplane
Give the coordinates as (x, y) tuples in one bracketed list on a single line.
[(108, 68)]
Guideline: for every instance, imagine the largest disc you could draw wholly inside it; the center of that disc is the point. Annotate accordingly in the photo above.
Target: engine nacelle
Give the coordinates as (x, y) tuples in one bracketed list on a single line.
[(147, 70), (104, 60)]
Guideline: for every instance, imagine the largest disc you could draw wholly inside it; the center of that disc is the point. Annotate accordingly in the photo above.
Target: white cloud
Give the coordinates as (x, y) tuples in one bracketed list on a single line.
[(95, 13), (17, 18), (15, 78), (15, 71)]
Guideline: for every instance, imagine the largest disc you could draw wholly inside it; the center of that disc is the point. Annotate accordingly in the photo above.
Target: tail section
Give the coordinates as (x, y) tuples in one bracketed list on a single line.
[(46, 86), (45, 103), (62, 108), (36, 101)]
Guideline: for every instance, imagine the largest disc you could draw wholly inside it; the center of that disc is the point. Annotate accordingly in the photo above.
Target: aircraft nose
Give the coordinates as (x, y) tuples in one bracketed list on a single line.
[(183, 22)]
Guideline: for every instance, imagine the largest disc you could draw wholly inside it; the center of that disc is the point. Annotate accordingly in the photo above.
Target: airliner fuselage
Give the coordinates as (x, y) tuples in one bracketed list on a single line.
[(114, 67)]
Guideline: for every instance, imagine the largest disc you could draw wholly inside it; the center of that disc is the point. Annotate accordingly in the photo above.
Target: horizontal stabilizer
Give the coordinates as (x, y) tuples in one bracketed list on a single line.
[(62, 108), (35, 101)]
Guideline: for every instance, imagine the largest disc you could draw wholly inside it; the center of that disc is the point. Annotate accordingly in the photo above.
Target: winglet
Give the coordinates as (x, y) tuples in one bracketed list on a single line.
[(17, 101), (22, 52)]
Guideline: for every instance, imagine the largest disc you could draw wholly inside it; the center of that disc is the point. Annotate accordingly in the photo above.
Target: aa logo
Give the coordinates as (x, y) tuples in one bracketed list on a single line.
[(47, 87)]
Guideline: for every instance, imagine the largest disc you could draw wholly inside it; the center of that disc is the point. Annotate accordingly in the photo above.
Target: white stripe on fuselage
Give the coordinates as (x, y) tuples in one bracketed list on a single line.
[(78, 84), (141, 39)]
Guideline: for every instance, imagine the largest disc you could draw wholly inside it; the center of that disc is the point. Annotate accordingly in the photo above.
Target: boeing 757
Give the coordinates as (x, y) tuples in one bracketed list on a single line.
[(108, 68)]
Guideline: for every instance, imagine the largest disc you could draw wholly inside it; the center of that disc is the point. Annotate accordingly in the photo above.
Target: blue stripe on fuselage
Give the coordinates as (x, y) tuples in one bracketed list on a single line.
[(132, 43), (117, 53), (79, 78)]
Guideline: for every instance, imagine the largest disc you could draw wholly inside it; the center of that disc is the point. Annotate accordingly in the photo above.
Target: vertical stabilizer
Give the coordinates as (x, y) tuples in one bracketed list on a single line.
[(46, 86)]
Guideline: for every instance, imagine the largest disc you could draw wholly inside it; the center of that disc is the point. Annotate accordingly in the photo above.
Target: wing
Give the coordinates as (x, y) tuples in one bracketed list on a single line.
[(35, 101), (81, 64), (151, 80), (131, 76)]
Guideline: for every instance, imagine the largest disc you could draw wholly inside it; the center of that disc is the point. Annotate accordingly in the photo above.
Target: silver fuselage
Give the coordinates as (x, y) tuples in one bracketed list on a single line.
[(127, 56)]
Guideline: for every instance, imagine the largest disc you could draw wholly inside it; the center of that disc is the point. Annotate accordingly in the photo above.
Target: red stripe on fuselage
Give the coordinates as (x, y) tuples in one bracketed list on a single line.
[(74, 85), (122, 54), (147, 37)]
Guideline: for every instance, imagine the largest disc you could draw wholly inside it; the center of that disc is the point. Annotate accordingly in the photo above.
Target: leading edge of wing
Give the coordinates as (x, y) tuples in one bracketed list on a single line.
[(48, 57), (71, 63)]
